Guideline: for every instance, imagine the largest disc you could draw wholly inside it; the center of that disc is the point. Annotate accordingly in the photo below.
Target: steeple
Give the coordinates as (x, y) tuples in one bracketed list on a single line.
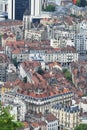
[(26, 21)]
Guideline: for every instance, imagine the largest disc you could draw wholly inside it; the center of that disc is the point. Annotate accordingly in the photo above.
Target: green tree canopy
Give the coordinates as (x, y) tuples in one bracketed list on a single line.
[(40, 71), (7, 120), (81, 3), (25, 79), (50, 8), (14, 60), (0, 39), (81, 127), (67, 74)]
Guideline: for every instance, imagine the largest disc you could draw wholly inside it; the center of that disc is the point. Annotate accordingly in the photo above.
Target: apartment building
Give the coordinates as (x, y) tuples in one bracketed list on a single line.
[(36, 34), (18, 109), (81, 43), (68, 116), (3, 67), (7, 37), (83, 26), (75, 10), (40, 52), (52, 122), (38, 125), (63, 55), (38, 99), (26, 68), (17, 50)]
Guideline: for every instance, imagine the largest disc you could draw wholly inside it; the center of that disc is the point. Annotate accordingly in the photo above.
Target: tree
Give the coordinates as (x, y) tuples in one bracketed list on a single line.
[(25, 79), (67, 74), (0, 39), (14, 60), (64, 71), (50, 8), (81, 127), (7, 120), (40, 71), (81, 3), (78, 2)]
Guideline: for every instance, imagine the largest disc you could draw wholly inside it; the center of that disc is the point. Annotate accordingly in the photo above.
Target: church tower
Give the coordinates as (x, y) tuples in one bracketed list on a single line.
[(26, 20)]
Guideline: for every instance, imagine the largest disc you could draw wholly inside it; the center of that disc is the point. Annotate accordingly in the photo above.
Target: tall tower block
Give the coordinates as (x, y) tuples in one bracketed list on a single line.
[(36, 6), (16, 8)]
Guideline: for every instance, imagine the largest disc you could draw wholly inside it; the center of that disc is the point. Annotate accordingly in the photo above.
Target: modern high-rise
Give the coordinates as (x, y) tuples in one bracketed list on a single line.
[(16, 8), (36, 6)]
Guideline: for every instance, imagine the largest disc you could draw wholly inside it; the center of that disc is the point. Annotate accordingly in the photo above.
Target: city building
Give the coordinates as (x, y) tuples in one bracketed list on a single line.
[(36, 7), (79, 75), (65, 2), (3, 67), (18, 109), (36, 34), (40, 51), (78, 11), (26, 21), (81, 43), (20, 54), (11, 73), (52, 122), (3, 16), (68, 116), (16, 8), (42, 92), (7, 37), (3, 5), (38, 125)]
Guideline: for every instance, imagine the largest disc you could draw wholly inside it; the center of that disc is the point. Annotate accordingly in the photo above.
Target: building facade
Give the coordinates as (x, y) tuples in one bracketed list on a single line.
[(67, 116), (3, 5), (16, 8), (38, 104), (36, 7)]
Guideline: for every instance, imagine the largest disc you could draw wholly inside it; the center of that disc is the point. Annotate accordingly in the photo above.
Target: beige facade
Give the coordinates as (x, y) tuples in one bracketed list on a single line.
[(42, 104), (67, 118)]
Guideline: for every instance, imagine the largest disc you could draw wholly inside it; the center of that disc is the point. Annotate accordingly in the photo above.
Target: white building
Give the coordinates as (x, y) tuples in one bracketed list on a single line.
[(64, 56), (55, 43), (81, 42), (83, 27), (52, 122), (17, 109), (11, 9), (3, 5), (34, 103), (26, 20), (83, 104), (36, 6), (14, 111), (68, 116)]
